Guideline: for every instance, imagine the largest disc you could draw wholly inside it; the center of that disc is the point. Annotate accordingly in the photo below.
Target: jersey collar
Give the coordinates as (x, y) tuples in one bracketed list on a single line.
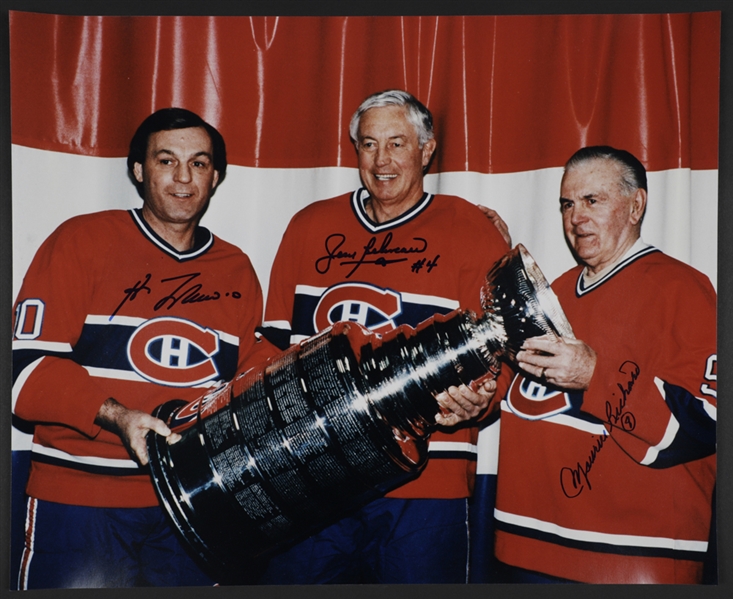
[(203, 239), (587, 284), (358, 201)]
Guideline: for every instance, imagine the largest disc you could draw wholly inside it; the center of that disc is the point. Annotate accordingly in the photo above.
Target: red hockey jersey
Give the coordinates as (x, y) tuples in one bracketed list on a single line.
[(614, 485), (334, 264), (109, 309)]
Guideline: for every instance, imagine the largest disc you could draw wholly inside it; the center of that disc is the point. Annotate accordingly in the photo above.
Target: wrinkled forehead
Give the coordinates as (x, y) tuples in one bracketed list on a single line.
[(591, 177), (393, 117)]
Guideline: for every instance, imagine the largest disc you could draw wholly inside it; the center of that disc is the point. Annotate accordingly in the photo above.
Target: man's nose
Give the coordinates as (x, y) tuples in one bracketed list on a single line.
[(183, 173), (381, 157), (578, 213)]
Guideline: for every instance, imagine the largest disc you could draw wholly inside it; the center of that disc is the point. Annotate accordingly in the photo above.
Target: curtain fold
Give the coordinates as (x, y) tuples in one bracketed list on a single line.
[(508, 93)]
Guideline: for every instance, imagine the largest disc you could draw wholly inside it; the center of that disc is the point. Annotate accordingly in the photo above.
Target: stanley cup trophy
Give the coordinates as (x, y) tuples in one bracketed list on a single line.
[(332, 423)]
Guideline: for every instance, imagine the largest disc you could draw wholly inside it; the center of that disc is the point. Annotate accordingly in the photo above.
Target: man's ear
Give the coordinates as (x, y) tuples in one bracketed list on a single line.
[(137, 170), (638, 204), (427, 151)]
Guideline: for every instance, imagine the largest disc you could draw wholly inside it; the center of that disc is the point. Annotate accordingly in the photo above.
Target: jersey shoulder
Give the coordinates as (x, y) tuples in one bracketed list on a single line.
[(95, 223), (466, 219), (323, 209)]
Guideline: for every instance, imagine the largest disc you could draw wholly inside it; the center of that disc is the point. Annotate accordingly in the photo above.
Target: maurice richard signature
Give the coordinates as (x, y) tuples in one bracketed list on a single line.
[(575, 479), (175, 290), (374, 252)]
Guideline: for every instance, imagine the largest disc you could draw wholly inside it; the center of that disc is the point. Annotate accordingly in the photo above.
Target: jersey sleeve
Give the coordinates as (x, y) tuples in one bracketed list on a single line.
[(254, 348), (484, 246), (49, 313), (277, 326), (663, 410)]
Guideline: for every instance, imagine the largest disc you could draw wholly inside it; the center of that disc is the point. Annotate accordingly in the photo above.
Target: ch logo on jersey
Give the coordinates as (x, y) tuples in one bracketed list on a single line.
[(372, 307), (531, 400), (174, 352)]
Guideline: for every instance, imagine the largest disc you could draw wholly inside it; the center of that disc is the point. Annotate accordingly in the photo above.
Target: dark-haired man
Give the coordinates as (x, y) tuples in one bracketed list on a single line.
[(607, 462), (385, 255), (119, 312)]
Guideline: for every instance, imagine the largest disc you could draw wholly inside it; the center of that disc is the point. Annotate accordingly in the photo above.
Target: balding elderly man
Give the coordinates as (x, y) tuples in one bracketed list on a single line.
[(607, 462)]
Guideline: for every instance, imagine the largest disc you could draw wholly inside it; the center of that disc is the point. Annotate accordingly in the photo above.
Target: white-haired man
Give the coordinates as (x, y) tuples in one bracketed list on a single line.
[(385, 255)]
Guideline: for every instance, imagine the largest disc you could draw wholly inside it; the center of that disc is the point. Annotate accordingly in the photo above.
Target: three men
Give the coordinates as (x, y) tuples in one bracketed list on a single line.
[(119, 312), (607, 461), (385, 255)]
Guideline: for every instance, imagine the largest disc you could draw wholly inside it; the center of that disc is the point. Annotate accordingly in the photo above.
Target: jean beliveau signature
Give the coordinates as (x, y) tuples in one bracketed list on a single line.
[(575, 479), (176, 289), (374, 252)]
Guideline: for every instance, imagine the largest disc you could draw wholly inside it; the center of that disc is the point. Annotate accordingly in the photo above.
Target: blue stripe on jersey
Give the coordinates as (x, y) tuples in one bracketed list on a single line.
[(599, 547), (695, 438), (280, 338), (453, 455), (105, 346), (304, 306)]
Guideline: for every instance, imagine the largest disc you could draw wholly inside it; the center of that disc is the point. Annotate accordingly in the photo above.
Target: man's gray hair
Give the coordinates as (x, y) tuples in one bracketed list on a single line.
[(633, 173), (417, 113)]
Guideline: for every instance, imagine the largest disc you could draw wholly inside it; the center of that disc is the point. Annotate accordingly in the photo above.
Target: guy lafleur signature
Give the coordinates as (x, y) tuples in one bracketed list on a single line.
[(374, 252), (177, 291), (574, 480)]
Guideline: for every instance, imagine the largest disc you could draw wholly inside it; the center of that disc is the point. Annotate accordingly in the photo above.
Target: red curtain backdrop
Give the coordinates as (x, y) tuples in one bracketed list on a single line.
[(508, 93), (513, 97)]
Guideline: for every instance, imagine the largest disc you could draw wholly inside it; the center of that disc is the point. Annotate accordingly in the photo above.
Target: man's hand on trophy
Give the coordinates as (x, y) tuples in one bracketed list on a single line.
[(132, 426), (459, 404), (563, 363)]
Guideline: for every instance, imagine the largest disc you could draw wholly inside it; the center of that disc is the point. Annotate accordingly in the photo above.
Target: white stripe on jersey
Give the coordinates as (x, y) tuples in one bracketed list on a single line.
[(128, 321), (669, 435), (88, 460), (48, 346), (30, 543), (431, 300), (590, 536), (283, 325), (309, 290), (565, 420), (129, 375), (452, 446)]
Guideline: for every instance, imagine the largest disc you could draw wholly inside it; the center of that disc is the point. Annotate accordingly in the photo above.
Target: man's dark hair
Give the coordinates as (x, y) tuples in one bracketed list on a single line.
[(167, 119), (633, 174)]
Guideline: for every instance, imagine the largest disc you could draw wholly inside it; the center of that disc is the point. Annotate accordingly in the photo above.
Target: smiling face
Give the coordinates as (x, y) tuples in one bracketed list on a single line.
[(600, 220), (178, 179), (391, 161)]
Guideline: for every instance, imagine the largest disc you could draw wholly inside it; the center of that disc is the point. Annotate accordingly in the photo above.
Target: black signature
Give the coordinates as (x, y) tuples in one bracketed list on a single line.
[(371, 249), (574, 480), (617, 416), (180, 294)]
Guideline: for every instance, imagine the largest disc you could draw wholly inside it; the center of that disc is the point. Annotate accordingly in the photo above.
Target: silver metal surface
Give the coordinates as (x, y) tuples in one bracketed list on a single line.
[(332, 423)]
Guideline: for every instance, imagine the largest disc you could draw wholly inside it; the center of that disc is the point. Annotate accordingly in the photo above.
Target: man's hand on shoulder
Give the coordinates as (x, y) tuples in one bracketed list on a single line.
[(132, 426), (499, 223)]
